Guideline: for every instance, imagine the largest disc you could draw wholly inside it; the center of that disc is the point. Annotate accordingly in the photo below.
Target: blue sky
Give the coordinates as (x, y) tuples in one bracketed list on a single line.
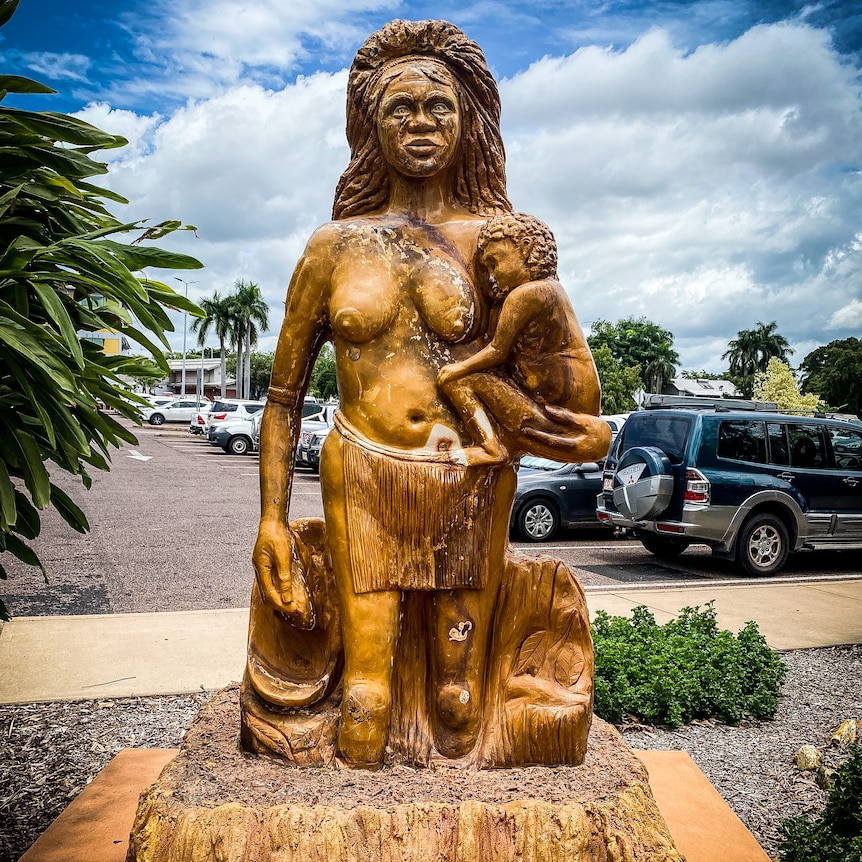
[(699, 162)]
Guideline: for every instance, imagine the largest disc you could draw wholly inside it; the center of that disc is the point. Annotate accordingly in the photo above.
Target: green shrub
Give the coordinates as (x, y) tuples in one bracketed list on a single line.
[(682, 670), (836, 835)]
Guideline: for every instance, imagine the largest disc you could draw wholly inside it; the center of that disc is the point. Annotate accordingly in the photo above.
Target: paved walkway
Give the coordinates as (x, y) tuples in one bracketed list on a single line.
[(119, 655)]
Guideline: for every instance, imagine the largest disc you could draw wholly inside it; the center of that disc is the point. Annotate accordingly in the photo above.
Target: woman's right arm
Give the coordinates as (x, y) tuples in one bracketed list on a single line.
[(303, 331)]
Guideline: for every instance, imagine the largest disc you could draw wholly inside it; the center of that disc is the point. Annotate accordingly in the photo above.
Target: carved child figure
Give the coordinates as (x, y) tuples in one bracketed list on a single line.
[(535, 356)]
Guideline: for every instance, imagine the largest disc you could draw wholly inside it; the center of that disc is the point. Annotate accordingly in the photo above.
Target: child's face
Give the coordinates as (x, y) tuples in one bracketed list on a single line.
[(504, 260)]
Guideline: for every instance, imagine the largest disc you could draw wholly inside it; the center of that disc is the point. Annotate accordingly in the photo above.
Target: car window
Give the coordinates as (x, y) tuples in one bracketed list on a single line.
[(669, 433), (253, 408), (779, 452), (742, 440), (806, 445), (224, 407), (847, 448), (535, 463)]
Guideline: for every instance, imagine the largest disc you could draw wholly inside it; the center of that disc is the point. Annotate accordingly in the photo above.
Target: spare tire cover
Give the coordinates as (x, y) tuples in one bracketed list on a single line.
[(643, 483)]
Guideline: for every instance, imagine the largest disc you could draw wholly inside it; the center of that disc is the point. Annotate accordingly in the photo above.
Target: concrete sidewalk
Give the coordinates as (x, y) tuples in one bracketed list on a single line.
[(121, 655)]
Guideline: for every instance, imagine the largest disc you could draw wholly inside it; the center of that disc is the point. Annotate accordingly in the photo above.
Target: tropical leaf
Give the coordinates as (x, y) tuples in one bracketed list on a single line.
[(64, 274)]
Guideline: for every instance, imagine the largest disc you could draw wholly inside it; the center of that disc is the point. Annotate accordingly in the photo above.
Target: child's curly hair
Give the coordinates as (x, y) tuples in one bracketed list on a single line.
[(541, 262)]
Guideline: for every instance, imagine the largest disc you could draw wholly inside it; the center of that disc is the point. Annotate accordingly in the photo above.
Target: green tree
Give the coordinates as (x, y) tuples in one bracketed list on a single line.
[(323, 381), (261, 371), (751, 351), (778, 384), (688, 374), (64, 277), (218, 318), (834, 372), (638, 341), (618, 382), (248, 311)]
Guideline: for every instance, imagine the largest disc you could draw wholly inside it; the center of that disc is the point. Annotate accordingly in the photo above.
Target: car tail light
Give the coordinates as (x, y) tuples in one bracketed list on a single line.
[(670, 528), (603, 516), (696, 487), (219, 416), (201, 420)]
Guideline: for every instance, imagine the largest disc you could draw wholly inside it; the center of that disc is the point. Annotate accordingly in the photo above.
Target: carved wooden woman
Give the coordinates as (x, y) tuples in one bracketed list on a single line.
[(403, 625)]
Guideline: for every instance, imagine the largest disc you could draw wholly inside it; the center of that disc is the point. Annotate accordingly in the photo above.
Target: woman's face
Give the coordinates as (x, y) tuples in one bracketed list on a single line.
[(418, 124)]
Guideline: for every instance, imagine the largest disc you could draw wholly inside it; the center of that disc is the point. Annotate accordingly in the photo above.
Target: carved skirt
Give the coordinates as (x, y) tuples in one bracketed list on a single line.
[(414, 522)]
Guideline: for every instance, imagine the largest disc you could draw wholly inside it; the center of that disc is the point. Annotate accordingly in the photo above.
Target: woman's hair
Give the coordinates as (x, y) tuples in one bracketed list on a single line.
[(480, 176), (541, 262)]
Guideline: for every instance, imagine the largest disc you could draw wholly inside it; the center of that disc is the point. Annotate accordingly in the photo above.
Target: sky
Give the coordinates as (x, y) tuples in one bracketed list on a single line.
[(700, 163)]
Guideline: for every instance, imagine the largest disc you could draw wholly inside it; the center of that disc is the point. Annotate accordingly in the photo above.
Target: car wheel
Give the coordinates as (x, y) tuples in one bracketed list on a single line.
[(157, 419), (238, 445), (763, 544), (538, 521), (662, 547)]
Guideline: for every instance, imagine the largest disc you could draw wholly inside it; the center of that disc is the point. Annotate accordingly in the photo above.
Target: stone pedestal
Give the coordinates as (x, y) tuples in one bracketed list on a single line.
[(214, 802)]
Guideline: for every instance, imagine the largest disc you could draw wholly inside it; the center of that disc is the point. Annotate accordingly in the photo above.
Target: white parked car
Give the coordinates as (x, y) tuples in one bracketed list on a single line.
[(234, 435), (177, 410), (198, 422), (230, 408)]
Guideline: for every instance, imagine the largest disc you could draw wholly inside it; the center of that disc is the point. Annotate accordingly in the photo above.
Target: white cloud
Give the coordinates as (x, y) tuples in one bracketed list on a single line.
[(847, 317), (705, 190), (70, 67), (198, 48)]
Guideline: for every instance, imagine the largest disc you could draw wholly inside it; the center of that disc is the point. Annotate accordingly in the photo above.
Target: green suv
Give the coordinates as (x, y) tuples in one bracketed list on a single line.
[(753, 486)]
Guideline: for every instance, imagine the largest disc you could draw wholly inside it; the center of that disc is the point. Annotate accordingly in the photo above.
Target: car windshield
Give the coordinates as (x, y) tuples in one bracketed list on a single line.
[(531, 462), (669, 433)]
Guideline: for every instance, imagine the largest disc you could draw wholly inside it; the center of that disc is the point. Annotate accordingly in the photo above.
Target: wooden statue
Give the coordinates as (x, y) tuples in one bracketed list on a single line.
[(403, 629)]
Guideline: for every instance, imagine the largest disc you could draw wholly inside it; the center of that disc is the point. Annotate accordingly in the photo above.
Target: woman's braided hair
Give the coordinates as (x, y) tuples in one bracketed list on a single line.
[(480, 176)]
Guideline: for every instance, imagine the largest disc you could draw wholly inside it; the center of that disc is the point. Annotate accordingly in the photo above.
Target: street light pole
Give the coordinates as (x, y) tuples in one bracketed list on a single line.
[(185, 327)]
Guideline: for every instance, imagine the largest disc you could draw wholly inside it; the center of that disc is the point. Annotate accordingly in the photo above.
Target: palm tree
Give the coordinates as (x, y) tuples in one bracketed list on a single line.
[(751, 351), (218, 319), (248, 311), (660, 368)]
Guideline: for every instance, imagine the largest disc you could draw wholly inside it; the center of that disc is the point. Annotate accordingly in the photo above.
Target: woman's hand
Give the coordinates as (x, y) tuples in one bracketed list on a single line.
[(280, 574)]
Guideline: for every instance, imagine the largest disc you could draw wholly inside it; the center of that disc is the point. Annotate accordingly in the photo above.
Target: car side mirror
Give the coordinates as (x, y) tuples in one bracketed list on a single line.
[(589, 467)]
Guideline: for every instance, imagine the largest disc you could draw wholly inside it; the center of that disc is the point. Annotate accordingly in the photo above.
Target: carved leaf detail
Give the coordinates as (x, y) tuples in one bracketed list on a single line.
[(569, 665), (308, 739), (532, 654), (268, 735)]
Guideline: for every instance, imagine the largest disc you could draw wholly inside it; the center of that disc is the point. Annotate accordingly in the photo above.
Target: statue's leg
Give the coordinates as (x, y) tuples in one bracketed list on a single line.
[(369, 625), (489, 449), (461, 629)]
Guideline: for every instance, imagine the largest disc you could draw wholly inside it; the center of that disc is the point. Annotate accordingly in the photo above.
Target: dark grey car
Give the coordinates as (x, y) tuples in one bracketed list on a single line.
[(552, 496)]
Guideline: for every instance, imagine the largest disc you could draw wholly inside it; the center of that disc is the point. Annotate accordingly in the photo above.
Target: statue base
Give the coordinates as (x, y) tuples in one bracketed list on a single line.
[(215, 802)]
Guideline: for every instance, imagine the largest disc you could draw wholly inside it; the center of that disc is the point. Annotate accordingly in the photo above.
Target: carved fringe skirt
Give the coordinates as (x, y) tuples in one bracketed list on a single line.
[(413, 523)]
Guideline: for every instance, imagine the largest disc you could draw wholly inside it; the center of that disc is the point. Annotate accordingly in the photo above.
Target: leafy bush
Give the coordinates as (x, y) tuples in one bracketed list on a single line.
[(836, 835), (65, 277), (682, 670)]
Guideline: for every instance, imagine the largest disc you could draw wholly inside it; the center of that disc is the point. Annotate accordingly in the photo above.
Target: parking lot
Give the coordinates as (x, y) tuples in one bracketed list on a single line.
[(174, 522)]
